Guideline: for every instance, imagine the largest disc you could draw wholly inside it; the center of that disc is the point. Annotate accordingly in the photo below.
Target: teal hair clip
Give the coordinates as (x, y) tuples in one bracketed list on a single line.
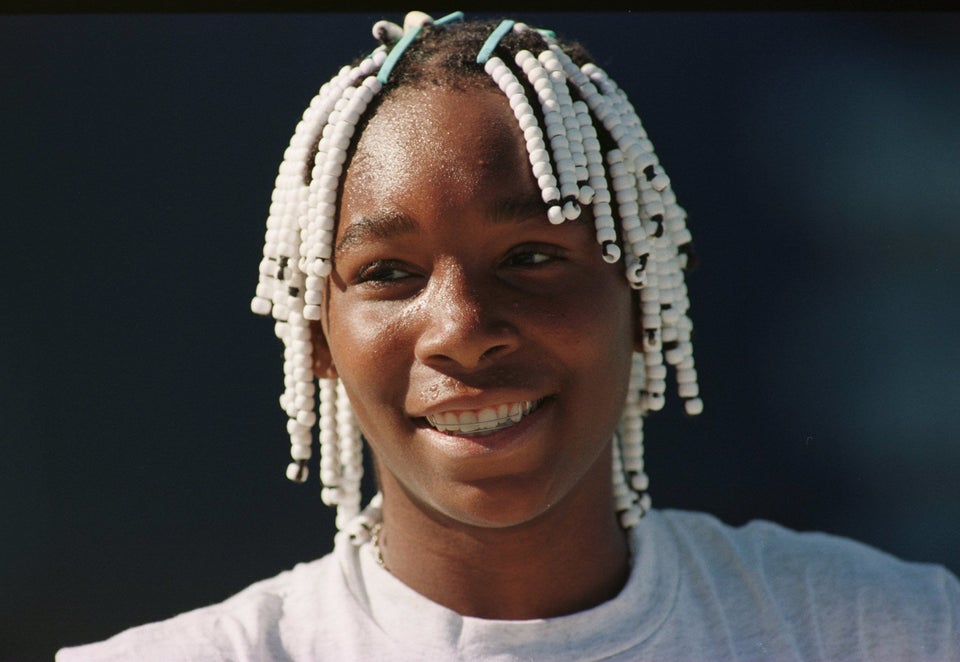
[(397, 51), (491, 43)]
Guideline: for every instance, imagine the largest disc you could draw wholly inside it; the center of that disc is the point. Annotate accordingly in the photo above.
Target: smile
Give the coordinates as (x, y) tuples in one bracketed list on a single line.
[(483, 421)]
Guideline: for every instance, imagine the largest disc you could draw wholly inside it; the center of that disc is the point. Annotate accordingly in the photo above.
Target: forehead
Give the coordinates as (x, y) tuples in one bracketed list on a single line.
[(463, 143)]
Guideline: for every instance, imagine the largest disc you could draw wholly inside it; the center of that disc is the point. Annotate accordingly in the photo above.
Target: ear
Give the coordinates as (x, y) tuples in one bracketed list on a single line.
[(322, 359)]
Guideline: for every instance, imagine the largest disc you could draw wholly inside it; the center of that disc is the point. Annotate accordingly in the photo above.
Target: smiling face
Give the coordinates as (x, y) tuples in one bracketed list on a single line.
[(485, 351)]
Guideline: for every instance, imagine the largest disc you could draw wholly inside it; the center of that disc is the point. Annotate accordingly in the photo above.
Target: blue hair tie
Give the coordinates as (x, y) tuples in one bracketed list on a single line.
[(453, 16), (491, 43), (397, 51)]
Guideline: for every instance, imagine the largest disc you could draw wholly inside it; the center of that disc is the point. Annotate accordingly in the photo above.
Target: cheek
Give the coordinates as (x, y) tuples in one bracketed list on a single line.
[(597, 317), (598, 346), (371, 351)]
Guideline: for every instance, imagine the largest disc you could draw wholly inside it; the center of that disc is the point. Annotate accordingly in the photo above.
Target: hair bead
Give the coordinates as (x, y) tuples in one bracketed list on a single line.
[(536, 148)]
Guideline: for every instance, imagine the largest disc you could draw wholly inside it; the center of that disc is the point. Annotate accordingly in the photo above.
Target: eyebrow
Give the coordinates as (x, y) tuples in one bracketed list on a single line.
[(392, 224), (383, 225), (517, 210)]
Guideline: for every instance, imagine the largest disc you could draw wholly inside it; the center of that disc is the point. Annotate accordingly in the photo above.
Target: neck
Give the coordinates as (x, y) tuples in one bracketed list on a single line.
[(572, 557)]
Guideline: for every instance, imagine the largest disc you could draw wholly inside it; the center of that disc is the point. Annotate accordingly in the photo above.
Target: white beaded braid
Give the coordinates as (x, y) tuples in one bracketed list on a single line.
[(587, 149)]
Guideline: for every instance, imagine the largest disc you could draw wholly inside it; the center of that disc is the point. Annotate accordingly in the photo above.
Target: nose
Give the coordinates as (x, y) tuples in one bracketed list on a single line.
[(465, 320)]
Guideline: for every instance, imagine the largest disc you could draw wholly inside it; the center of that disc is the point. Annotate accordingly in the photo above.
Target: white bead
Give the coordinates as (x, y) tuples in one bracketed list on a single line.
[(533, 133), (651, 359), (416, 19), (327, 182), (640, 482), (330, 495), (306, 418), (657, 371), (617, 168), (688, 390), (693, 407), (673, 356), (686, 375), (541, 168), (623, 182), (650, 303), (563, 160), (606, 234), (326, 195), (586, 195), (635, 233), (298, 452), (555, 215), (628, 208), (539, 155), (546, 181), (657, 386), (611, 253), (630, 517), (568, 187), (332, 168), (654, 401), (260, 306), (500, 73), (302, 402), (641, 158), (628, 195), (296, 472)]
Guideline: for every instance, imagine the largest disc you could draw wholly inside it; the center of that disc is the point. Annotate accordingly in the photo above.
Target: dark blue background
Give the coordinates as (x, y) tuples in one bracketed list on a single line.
[(143, 448)]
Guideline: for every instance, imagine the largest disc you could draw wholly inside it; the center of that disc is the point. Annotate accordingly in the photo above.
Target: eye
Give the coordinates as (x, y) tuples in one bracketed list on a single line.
[(382, 272), (533, 256)]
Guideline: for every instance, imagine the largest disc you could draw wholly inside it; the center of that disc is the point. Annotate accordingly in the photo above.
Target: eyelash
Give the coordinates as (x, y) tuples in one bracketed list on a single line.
[(382, 273), (385, 272), (549, 253)]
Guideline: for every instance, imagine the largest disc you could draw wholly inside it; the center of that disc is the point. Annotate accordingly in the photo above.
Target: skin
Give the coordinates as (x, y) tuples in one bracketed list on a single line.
[(452, 292)]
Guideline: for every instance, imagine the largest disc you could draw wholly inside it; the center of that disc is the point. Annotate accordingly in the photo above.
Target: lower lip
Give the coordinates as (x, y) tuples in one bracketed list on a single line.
[(469, 445)]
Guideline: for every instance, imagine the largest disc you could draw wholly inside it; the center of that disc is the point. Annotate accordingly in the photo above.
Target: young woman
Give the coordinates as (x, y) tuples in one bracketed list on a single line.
[(475, 260)]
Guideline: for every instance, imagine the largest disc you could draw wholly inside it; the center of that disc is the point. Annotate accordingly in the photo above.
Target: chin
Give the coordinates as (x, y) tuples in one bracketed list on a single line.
[(500, 503)]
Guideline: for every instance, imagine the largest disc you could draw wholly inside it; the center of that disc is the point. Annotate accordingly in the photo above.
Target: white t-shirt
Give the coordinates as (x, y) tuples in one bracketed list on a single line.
[(698, 590)]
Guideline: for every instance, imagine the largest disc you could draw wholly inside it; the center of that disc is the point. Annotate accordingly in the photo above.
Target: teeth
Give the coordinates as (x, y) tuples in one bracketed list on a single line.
[(482, 420)]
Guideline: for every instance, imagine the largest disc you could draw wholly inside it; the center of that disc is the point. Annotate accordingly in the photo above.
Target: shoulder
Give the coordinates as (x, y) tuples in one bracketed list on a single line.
[(843, 595), (256, 623), (779, 553)]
